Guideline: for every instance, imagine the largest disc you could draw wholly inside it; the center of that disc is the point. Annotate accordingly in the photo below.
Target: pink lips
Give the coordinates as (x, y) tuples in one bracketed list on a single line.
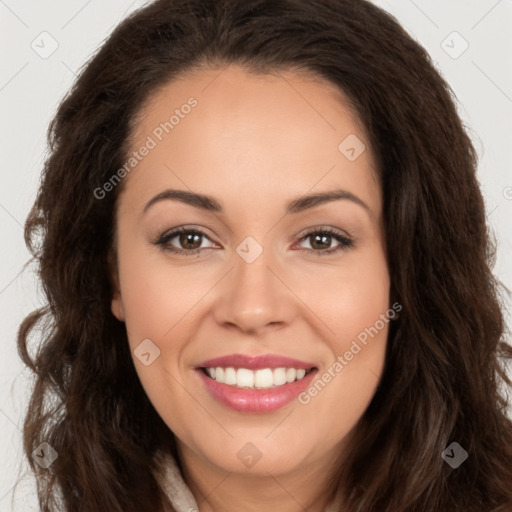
[(255, 400)]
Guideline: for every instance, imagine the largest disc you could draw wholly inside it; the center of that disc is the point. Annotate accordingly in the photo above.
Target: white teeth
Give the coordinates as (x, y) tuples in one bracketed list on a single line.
[(291, 374), (230, 376), (264, 378), (258, 379), (244, 378), (279, 376)]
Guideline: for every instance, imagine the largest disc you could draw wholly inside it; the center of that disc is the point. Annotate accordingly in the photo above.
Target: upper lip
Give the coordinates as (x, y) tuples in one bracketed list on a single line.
[(255, 362)]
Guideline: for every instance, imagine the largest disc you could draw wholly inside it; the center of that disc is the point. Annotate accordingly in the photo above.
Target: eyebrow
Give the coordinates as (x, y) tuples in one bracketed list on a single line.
[(211, 204)]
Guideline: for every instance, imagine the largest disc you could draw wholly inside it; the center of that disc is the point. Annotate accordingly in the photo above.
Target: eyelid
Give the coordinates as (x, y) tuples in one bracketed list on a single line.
[(323, 228), (162, 232), (344, 238), (169, 234)]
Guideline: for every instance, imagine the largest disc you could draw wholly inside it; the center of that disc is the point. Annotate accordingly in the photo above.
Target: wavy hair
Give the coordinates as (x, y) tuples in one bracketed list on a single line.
[(445, 376)]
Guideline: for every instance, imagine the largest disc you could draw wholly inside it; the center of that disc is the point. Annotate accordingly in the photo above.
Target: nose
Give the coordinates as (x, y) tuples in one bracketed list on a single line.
[(254, 296)]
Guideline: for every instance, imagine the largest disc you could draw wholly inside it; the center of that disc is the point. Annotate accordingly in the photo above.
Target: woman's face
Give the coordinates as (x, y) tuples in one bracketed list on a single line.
[(257, 279)]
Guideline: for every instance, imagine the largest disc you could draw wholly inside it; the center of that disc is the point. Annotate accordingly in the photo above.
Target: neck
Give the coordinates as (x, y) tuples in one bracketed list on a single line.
[(216, 490)]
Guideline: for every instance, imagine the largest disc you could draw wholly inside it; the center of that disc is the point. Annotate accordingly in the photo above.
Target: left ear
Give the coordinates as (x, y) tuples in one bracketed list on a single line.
[(116, 304)]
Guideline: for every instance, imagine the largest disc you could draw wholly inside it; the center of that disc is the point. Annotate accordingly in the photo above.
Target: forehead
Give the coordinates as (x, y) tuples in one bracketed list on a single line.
[(285, 129), (232, 94)]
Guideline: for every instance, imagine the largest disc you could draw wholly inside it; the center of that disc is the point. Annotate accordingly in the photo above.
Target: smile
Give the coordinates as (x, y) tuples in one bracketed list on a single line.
[(250, 399), (264, 378)]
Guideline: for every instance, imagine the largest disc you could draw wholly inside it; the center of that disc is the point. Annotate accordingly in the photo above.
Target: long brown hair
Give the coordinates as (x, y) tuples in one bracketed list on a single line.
[(446, 355)]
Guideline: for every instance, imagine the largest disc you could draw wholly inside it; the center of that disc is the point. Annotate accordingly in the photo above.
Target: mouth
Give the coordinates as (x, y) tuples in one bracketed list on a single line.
[(264, 378), (255, 384)]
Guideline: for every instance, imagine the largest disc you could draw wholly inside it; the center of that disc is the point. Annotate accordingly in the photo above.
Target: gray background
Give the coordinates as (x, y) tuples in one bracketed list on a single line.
[(32, 82)]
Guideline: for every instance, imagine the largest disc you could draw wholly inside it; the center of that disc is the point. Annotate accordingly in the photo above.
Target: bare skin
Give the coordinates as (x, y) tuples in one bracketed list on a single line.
[(255, 143)]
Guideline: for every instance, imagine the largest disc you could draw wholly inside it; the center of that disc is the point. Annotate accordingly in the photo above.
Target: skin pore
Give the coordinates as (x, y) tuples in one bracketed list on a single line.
[(254, 143)]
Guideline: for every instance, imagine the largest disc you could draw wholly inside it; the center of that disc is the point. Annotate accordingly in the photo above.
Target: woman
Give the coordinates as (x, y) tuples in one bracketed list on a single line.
[(332, 338)]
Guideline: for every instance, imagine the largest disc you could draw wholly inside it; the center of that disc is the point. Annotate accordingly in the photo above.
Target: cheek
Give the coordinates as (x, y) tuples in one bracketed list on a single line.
[(362, 329), (156, 298), (346, 297), (156, 302), (354, 304)]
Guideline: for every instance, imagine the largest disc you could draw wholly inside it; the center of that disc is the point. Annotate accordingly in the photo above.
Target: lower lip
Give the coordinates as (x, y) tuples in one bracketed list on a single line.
[(256, 400)]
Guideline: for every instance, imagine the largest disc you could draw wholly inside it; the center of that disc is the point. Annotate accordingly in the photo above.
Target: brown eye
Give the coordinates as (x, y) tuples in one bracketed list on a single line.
[(182, 241), (321, 240), (189, 240)]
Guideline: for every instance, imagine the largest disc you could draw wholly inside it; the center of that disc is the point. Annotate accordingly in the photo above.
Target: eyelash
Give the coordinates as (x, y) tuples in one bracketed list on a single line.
[(163, 240)]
